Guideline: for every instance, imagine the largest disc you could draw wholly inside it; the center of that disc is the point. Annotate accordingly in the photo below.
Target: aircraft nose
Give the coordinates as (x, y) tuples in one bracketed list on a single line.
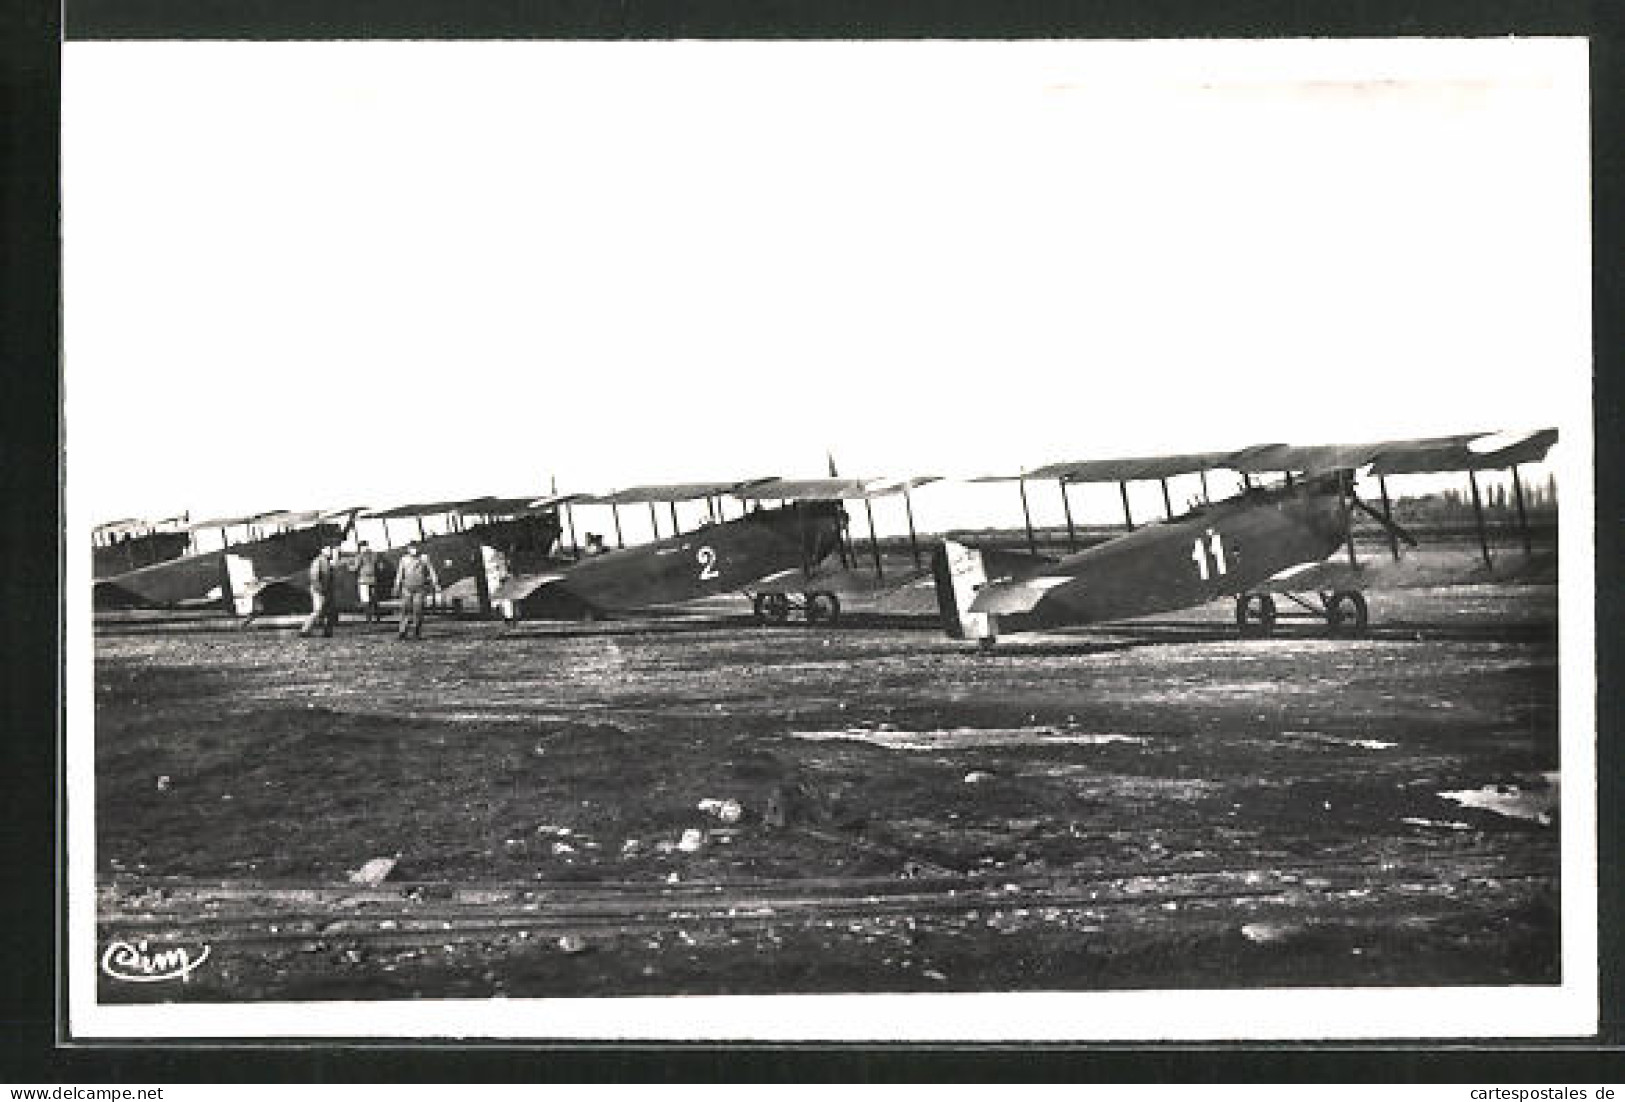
[(1328, 516)]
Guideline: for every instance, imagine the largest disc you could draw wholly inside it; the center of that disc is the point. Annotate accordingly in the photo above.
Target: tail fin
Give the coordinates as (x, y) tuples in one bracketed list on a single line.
[(242, 584), (959, 575)]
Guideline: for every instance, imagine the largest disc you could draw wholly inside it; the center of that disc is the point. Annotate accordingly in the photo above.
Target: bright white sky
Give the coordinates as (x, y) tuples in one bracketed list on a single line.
[(311, 275)]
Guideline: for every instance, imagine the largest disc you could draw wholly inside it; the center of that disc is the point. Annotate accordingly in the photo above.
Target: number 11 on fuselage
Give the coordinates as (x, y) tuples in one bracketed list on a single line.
[(1210, 548)]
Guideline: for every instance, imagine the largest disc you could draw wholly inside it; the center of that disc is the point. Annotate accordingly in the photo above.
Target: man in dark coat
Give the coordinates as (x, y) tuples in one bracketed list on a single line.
[(366, 581), (415, 579)]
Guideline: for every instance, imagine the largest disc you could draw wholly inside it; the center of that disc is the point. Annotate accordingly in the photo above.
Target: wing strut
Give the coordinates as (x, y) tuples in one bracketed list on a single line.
[(1345, 490), (801, 540), (914, 543), (1026, 517), (1388, 518), (874, 541), (1071, 530), (1478, 516), (1128, 517), (1523, 517)]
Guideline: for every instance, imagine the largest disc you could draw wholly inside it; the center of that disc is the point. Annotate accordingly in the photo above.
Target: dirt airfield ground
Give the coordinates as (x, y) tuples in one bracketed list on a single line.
[(1153, 805)]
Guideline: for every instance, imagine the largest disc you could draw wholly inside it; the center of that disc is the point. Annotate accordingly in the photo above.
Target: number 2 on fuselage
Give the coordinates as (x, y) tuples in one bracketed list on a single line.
[(1210, 548), (708, 563)]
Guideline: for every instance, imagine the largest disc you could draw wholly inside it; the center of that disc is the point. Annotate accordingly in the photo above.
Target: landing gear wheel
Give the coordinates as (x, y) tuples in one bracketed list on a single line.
[(1255, 614), (985, 643), (1346, 612), (823, 608), (771, 608)]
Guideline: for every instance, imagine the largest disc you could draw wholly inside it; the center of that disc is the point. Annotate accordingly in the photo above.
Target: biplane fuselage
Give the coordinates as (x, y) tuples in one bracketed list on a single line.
[(120, 556), (1220, 550), (726, 557), (524, 542), (204, 577)]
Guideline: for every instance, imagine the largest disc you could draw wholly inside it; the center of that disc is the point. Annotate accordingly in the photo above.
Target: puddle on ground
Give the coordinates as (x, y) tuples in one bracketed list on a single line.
[(1412, 820), (1334, 740), (953, 738), (1535, 804)]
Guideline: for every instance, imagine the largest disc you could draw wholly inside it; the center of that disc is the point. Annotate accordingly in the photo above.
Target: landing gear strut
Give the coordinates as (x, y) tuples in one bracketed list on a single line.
[(1255, 614), (822, 608), (771, 608), (1344, 611), (819, 607)]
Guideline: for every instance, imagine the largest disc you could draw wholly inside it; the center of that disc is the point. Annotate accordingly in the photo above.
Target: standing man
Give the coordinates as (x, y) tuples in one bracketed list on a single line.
[(366, 581), (414, 580), (324, 609)]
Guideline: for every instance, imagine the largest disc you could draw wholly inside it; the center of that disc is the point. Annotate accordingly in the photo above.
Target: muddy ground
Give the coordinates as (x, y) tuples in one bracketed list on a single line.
[(1153, 805)]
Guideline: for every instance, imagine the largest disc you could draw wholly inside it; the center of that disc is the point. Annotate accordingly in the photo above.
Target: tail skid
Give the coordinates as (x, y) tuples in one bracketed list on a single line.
[(960, 574)]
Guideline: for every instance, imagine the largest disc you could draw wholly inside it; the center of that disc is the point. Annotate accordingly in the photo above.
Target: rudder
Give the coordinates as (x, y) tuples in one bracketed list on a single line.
[(960, 574)]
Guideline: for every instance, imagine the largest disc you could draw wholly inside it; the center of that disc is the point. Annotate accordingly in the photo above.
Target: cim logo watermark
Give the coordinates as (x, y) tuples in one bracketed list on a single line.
[(139, 963)]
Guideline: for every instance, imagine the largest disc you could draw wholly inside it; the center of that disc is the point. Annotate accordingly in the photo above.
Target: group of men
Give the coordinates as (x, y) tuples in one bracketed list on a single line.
[(415, 580)]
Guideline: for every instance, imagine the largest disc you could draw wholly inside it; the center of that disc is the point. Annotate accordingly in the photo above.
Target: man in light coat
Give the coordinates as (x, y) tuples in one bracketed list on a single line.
[(324, 609)]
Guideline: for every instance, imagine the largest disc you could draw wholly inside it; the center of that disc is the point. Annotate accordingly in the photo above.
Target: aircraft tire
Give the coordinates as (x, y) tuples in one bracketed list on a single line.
[(771, 608), (1347, 612), (823, 607), (1255, 614)]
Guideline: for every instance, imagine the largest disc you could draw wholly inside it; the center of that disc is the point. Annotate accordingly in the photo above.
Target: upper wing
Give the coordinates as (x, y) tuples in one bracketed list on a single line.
[(669, 493), (1465, 451), (1485, 452), (827, 489)]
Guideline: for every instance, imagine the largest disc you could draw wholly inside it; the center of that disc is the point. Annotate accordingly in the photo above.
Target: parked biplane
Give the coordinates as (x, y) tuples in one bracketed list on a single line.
[(271, 544), (478, 534), (774, 552), (120, 546), (1251, 548)]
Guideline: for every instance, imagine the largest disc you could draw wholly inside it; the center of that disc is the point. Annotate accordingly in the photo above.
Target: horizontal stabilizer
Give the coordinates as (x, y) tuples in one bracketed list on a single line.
[(1005, 598), (111, 595), (520, 586)]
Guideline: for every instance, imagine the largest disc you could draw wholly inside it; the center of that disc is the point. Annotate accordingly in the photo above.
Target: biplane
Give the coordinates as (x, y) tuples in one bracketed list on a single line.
[(477, 534), (774, 552), (119, 546), (269, 545), (1263, 543)]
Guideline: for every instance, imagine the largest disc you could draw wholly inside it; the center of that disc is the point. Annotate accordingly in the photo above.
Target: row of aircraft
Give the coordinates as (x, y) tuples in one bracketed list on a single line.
[(1268, 541)]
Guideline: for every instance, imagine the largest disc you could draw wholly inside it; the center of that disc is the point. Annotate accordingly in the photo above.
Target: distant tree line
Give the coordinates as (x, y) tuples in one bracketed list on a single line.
[(1499, 501)]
